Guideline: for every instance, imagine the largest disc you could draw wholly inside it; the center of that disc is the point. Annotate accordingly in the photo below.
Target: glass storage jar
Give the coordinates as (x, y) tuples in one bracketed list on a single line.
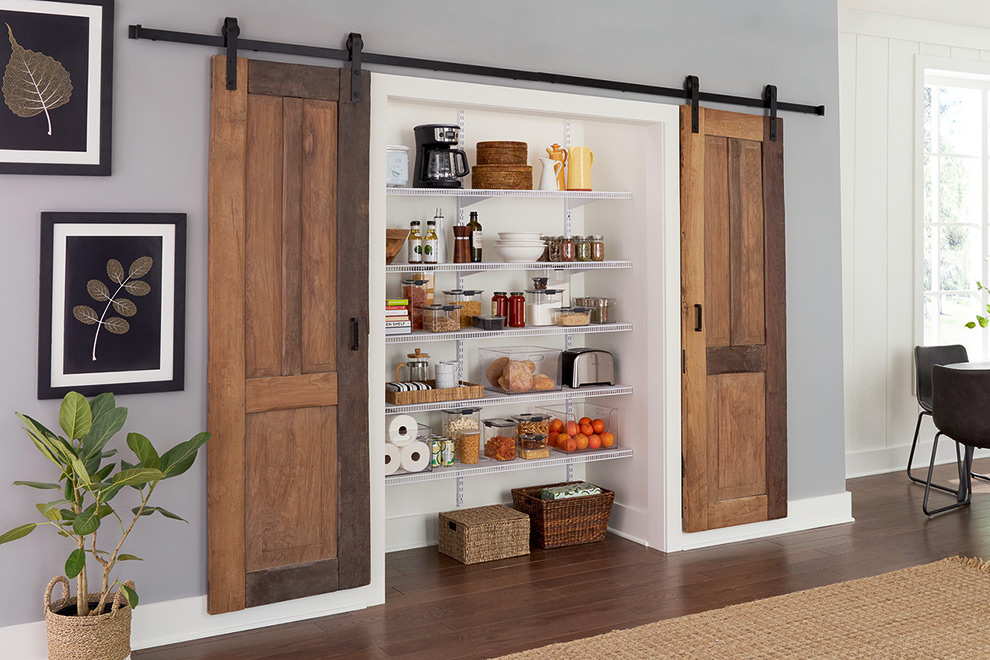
[(458, 420), (567, 248), (499, 436), (553, 248), (597, 247), (467, 447), (517, 310), (415, 291), (532, 423), (470, 302), (540, 305), (532, 445), (572, 316), (441, 318), (582, 248)]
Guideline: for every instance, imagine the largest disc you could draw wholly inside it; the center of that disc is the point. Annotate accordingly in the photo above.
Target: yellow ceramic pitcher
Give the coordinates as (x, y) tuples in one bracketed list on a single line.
[(580, 160)]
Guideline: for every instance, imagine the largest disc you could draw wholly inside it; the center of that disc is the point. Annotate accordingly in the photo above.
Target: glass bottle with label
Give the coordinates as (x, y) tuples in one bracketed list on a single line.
[(475, 228), (414, 244), (441, 250), (430, 243)]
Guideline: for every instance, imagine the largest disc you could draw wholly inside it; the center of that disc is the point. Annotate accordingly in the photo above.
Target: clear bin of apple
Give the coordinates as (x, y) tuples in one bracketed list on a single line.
[(583, 434)]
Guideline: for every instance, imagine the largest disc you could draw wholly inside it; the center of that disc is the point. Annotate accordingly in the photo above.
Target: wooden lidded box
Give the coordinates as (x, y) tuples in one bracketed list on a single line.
[(484, 533)]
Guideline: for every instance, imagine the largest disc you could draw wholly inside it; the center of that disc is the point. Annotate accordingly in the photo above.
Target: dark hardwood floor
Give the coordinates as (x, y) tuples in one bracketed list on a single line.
[(437, 608)]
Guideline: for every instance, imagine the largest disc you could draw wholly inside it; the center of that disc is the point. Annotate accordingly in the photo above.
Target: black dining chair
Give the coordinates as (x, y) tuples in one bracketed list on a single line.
[(925, 357), (960, 402)]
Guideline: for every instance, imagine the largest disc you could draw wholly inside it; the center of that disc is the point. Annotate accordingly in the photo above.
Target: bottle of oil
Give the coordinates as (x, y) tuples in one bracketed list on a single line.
[(430, 242), (475, 228), (414, 244)]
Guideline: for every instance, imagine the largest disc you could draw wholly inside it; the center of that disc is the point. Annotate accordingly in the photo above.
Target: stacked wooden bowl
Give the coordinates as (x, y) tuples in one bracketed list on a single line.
[(502, 166)]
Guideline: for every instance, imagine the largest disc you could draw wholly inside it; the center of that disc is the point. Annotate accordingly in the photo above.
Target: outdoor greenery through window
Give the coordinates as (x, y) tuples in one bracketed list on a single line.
[(955, 232)]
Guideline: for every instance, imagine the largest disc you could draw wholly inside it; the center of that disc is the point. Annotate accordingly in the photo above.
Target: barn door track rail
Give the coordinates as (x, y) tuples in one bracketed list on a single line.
[(230, 40)]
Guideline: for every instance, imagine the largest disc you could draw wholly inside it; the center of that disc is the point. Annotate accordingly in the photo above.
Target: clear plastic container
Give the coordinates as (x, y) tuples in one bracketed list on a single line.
[(568, 436), (489, 322), (467, 447), (470, 302), (572, 316), (528, 423), (441, 318), (499, 436), (516, 369), (415, 291), (540, 304), (460, 420), (532, 445)]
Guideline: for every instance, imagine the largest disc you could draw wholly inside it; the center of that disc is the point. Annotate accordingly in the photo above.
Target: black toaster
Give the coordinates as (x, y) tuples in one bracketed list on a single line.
[(587, 366)]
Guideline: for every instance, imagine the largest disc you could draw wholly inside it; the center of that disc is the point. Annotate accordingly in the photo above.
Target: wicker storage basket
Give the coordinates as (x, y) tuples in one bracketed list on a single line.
[(502, 152), (107, 636), (502, 177), (571, 521), (464, 391), (485, 533)]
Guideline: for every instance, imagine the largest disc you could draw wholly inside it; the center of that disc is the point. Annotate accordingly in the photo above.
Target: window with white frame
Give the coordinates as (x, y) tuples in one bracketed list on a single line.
[(955, 231)]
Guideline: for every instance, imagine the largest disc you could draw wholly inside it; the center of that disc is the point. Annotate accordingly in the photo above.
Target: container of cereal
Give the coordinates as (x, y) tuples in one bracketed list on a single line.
[(572, 316), (461, 419), (467, 447), (499, 436), (470, 302), (441, 318)]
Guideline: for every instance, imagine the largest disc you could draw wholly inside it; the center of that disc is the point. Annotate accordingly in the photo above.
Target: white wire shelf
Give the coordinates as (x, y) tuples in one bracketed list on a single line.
[(422, 336), (470, 196), (498, 399), (467, 269), (491, 466)]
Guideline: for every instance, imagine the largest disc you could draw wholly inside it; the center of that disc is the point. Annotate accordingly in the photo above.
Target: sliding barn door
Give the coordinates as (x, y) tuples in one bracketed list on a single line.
[(288, 484), (734, 390)]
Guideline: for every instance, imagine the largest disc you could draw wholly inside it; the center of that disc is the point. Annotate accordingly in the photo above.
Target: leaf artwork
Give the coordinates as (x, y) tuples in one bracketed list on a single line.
[(34, 82), (100, 292)]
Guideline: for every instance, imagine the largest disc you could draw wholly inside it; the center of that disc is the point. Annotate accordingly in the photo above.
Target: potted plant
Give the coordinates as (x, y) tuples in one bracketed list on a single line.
[(95, 624)]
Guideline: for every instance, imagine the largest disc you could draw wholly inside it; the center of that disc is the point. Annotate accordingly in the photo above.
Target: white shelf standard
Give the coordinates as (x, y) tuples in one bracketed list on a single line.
[(467, 269), (491, 466), (469, 196), (497, 399), (422, 336)]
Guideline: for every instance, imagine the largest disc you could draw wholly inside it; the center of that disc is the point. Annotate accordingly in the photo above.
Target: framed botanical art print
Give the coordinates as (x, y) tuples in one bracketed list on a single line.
[(112, 303), (55, 107)]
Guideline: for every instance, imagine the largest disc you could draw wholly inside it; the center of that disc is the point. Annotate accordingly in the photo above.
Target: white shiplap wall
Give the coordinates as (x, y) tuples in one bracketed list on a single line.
[(878, 101)]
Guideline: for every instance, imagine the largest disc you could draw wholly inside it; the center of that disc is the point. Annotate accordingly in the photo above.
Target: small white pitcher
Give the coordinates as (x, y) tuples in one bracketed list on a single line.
[(551, 167)]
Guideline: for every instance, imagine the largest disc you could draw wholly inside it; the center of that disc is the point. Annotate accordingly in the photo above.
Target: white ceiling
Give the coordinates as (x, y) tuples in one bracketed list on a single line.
[(963, 12)]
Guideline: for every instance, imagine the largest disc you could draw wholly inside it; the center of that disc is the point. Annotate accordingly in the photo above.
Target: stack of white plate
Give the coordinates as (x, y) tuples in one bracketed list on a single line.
[(519, 246)]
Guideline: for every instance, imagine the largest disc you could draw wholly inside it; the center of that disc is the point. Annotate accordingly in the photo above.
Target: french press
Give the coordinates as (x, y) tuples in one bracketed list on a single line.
[(418, 365)]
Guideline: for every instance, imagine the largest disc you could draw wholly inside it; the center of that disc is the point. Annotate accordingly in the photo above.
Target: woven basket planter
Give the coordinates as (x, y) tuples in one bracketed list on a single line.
[(103, 637)]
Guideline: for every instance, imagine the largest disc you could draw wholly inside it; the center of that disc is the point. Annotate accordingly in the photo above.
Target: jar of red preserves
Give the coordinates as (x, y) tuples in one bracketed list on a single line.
[(517, 310)]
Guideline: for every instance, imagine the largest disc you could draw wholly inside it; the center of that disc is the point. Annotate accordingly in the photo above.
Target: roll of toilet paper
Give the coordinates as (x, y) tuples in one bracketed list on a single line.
[(415, 456), (402, 430), (393, 458)]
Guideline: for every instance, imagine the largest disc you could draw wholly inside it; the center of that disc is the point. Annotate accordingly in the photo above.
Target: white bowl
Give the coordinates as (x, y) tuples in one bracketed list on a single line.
[(520, 243), (519, 253), (519, 235)]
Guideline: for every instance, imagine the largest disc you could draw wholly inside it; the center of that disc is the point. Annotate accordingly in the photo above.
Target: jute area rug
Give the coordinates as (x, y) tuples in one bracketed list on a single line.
[(939, 610)]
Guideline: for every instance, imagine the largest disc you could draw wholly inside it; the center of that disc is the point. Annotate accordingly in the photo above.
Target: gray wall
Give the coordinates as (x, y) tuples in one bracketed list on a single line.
[(161, 129)]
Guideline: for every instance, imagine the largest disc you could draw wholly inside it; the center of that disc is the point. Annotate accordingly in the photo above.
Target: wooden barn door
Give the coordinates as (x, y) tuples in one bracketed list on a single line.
[(734, 390), (288, 484)]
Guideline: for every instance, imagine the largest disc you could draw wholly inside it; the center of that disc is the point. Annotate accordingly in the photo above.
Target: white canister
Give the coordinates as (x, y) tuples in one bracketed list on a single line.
[(447, 374), (397, 162)]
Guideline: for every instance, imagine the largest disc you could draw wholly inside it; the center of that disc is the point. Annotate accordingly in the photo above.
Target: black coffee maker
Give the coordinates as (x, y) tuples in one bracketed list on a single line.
[(438, 161)]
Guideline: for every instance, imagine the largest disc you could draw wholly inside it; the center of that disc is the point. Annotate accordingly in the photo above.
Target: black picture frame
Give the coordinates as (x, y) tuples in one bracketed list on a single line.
[(78, 35), (143, 348)]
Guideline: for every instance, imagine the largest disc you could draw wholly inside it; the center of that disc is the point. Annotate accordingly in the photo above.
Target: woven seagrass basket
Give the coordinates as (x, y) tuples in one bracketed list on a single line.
[(502, 177), (103, 637), (560, 523), (502, 152), (484, 533)]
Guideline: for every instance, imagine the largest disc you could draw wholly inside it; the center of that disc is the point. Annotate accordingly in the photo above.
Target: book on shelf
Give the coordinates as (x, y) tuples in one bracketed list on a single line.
[(398, 324), (396, 302), (398, 331), (399, 313)]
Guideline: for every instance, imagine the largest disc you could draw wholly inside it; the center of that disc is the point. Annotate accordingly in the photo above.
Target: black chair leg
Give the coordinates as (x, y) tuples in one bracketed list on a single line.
[(964, 493), (914, 445)]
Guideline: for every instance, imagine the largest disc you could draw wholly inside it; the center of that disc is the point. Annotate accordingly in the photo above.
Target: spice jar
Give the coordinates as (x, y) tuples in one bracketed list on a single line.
[(566, 248), (470, 302), (539, 309), (582, 248), (415, 292), (553, 248), (546, 248), (441, 318), (517, 310), (540, 283), (597, 247), (500, 304), (462, 244)]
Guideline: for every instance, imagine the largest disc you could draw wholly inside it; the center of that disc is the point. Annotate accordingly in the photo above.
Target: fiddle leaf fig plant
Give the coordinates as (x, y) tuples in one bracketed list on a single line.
[(87, 484), (983, 321)]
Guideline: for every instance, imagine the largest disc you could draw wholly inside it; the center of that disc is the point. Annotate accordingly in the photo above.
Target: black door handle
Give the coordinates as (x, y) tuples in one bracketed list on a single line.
[(697, 323), (356, 340)]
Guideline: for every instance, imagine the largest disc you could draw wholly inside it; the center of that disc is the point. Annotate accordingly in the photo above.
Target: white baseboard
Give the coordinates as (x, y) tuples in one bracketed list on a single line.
[(629, 523), (808, 513), (185, 619), (892, 459)]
